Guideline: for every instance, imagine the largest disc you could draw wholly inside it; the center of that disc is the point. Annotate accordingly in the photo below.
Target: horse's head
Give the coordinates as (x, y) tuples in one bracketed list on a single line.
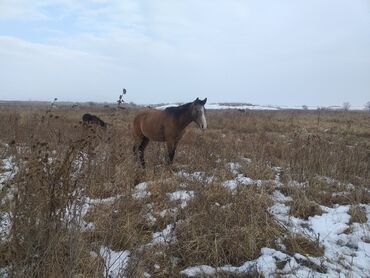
[(198, 112)]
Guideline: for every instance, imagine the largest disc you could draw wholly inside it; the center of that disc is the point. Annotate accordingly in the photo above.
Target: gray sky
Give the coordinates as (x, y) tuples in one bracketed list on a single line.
[(288, 52)]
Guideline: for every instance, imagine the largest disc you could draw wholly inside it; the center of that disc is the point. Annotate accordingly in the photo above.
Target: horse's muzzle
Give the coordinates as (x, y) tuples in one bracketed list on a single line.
[(202, 125)]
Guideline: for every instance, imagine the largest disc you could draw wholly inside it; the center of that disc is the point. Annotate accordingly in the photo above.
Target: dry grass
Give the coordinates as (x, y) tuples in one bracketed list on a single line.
[(328, 193), (297, 243), (358, 214), (126, 222), (60, 164), (303, 208), (218, 232)]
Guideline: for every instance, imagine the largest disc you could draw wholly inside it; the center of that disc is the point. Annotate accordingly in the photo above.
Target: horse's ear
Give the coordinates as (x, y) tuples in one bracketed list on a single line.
[(204, 101)]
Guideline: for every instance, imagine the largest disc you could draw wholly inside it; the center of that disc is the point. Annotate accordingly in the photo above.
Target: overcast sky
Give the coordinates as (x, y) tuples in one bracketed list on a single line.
[(287, 52)]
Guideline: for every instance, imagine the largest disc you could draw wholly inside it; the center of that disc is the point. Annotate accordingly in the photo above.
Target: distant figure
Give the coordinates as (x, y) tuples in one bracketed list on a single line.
[(92, 119), (120, 99), (53, 104)]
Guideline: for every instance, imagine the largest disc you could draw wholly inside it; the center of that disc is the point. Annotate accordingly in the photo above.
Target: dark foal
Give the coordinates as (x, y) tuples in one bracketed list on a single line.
[(92, 119), (166, 125)]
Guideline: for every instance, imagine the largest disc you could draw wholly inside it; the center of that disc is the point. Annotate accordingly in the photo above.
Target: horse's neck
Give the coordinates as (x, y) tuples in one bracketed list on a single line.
[(185, 119)]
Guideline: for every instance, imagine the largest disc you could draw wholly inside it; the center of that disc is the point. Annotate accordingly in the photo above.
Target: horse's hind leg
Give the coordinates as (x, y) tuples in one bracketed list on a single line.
[(141, 148), (134, 150)]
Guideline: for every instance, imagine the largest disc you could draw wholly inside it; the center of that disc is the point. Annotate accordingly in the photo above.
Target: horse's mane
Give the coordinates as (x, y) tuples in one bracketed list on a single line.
[(177, 111)]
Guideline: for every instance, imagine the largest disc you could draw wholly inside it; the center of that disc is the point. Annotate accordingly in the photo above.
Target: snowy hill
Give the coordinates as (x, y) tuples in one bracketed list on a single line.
[(225, 106)]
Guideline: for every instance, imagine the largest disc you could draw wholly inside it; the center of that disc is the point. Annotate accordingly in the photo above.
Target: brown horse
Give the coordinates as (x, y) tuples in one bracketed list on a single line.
[(166, 125)]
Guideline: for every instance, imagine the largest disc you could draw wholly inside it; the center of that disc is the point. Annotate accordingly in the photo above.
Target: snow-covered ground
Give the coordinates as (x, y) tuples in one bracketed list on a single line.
[(346, 254), (8, 171), (217, 106)]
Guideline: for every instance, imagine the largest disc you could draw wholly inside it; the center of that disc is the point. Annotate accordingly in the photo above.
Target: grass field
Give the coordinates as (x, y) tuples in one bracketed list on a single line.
[(258, 194)]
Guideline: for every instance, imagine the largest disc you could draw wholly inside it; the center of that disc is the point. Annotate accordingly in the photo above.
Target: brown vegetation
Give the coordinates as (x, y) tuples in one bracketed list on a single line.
[(62, 164)]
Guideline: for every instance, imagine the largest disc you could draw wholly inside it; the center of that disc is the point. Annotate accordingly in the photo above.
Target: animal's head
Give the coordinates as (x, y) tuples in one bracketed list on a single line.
[(198, 112), (103, 124)]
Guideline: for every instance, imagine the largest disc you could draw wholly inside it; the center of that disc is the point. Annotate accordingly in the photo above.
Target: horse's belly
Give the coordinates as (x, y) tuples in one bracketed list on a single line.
[(154, 132), (155, 137)]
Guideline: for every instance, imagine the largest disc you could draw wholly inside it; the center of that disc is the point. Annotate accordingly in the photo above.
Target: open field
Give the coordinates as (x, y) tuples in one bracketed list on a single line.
[(258, 194)]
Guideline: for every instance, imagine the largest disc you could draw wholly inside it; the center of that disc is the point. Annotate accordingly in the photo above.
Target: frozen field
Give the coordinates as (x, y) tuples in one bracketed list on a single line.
[(268, 193)]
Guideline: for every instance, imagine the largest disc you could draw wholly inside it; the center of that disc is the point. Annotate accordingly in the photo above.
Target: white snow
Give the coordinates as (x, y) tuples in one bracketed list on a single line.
[(164, 237), (265, 264), (3, 272), (8, 171), (345, 254), (115, 262), (181, 195), (231, 184), (241, 180), (140, 191), (196, 271), (234, 167), (168, 212), (5, 226), (150, 218), (196, 176), (246, 160), (280, 197), (277, 171)]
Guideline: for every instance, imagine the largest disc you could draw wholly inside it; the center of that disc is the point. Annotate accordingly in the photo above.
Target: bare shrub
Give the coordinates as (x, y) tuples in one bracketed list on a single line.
[(346, 106), (45, 236)]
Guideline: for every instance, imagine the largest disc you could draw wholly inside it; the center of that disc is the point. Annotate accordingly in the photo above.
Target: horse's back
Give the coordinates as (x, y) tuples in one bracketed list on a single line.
[(150, 123)]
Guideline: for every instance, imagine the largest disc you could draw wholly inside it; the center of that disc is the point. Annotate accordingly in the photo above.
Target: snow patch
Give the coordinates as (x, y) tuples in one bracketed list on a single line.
[(243, 180), (8, 171), (5, 226), (140, 191), (115, 262), (234, 167), (196, 176), (164, 237), (345, 254), (182, 195), (198, 270)]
